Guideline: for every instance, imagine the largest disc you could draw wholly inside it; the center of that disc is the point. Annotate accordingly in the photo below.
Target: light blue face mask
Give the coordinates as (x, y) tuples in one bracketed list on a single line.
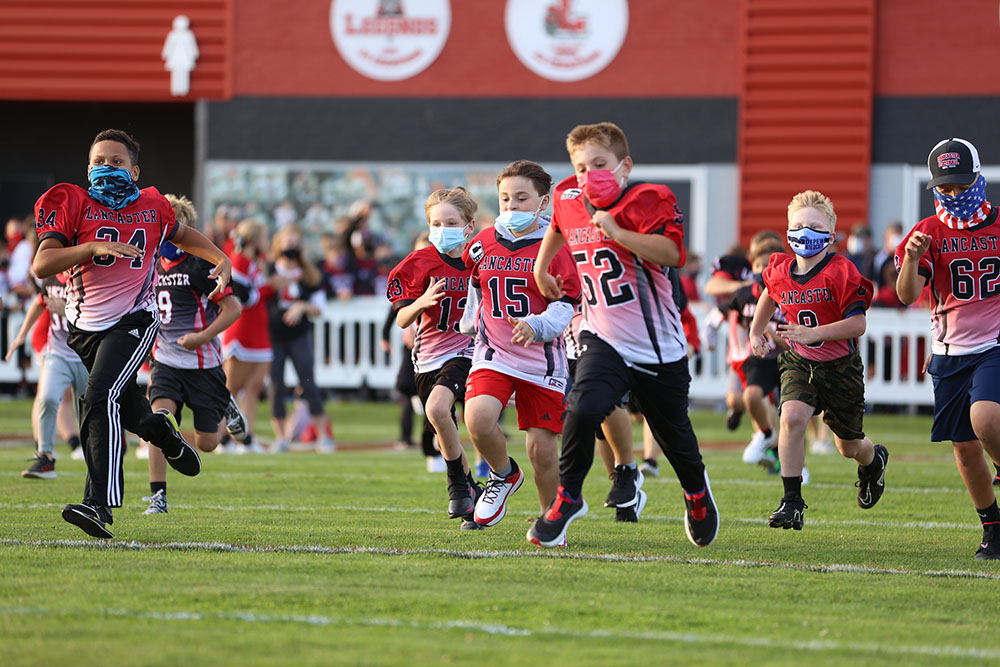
[(808, 242), (446, 239), (518, 221)]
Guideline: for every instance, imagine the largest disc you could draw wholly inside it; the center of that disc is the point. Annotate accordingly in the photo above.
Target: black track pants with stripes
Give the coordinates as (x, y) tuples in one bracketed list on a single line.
[(114, 400)]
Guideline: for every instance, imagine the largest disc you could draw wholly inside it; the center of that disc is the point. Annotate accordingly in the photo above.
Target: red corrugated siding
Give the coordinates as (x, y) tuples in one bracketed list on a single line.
[(806, 108), (109, 49)]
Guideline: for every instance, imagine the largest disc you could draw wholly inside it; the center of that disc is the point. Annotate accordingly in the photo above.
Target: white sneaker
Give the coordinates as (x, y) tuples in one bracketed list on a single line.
[(326, 446), (822, 447), (805, 475), (253, 448), (77, 454), (436, 464), (758, 446), (279, 447), (492, 505), (142, 453)]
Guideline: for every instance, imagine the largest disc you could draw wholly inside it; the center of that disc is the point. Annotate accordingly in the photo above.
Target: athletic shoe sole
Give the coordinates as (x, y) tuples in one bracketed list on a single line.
[(499, 514), (30, 474), (85, 523), (560, 539), (632, 514)]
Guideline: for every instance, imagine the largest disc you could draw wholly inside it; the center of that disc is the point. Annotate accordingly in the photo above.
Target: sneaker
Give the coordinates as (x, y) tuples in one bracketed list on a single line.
[(482, 469), (770, 461), (89, 519), (236, 423), (468, 523), (733, 419), (436, 464), (805, 475), (157, 503), (650, 468), (142, 453), (326, 446), (632, 514), (871, 484), (277, 447), (43, 467), (701, 516), (461, 502), (822, 447), (788, 515), (179, 453), (625, 485), (77, 454), (758, 446), (549, 530), (492, 504), (990, 547)]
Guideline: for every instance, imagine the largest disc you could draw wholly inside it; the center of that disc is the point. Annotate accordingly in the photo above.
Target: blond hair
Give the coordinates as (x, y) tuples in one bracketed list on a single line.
[(814, 199), (608, 135), (458, 197), (184, 209), (310, 274)]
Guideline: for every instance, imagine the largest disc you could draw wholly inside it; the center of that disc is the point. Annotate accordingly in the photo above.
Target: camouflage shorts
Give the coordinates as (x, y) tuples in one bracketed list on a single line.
[(836, 388)]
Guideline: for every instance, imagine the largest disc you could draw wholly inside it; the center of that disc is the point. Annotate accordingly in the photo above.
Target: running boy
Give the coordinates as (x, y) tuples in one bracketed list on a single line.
[(956, 252), (111, 310), (519, 341), (429, 287), (622, 237), (823, 299)]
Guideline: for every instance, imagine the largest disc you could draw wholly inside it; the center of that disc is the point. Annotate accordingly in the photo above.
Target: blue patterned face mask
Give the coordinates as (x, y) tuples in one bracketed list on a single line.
[(112, 186), (808, 242)]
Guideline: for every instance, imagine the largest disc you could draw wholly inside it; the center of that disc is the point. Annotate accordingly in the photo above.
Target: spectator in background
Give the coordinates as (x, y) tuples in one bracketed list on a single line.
[(338, 281), (860, 250), (360, 247), (385, 260), (285, 214), (222, 228), (688, 277), (20, 250), (885, 296), (890, 240)]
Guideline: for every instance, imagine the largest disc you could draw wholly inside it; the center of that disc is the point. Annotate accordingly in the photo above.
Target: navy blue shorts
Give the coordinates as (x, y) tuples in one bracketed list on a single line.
[(958, 383)]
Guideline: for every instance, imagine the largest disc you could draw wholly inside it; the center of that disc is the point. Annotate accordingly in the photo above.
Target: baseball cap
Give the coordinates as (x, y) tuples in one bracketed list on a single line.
[(953, 161)]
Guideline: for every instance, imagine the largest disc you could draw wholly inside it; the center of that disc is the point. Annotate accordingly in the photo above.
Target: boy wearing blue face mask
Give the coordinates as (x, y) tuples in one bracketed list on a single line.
[(109, 236), (429, 287), (823, 299)]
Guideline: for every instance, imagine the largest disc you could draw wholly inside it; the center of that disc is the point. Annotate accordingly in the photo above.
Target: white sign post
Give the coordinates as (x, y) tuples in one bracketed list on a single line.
[(180, 51)]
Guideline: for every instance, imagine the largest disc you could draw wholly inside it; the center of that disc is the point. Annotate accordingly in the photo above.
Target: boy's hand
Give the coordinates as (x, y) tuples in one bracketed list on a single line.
[(759, 345), (431, 296), (917, 245), (222, 272), (114, 249), (14, 344), (190, 341), (550, 287), (606, 223), (796, 333), (523, 334)]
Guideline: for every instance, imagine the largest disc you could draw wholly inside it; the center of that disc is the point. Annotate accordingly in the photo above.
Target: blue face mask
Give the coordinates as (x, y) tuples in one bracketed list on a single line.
[(518, 221), (446, 239), (112, 186), (808, 242), (170, 251)]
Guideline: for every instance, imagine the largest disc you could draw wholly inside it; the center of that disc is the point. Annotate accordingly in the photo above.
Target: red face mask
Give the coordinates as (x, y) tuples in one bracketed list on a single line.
[(601, 186)]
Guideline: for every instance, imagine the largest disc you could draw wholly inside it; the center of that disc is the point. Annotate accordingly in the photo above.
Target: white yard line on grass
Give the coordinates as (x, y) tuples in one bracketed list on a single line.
[(815, 645), (827, 568)]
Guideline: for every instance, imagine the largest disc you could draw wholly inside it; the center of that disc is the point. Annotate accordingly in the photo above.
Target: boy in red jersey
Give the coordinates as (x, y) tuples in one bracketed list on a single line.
[(957, 252), (622, 237), (109, 236), (823, 299), (519, 341), (429, 287)]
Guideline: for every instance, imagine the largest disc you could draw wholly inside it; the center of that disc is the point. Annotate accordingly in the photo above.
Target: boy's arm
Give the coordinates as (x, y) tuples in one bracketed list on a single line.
[(719, 286), (229, 312), (53, 257), (550, 286), (852, 327), (191, 240), (467, 325), (762, 315), (30, 317), (653, 248), (910, 283), (545, 326)]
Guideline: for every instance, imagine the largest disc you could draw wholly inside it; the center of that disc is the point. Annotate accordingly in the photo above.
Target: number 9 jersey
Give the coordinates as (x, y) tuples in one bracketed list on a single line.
[(102, 290)]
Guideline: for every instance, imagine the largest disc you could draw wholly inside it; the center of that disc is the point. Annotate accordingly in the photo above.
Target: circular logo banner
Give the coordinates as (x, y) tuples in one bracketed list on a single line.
[(566, 40), (390, 40)]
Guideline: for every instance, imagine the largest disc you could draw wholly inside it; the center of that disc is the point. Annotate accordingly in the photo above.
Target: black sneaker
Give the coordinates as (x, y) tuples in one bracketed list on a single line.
[(157, 503), (788, 515), (996, 480), (990, 547), (179, 453), (236, 422), (461, 499), (632, 514), (90, 519), (733, 419), (468, 523), (549, 530), (871, 484), (701, 517), (43, 467), (625, 485)]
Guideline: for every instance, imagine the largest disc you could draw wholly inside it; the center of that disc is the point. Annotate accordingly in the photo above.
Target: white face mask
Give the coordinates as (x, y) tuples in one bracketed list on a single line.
[(854, 245)]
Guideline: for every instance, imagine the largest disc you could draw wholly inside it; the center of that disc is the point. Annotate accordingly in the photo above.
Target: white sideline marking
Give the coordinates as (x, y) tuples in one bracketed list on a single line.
[(478, 554), (816, 645)]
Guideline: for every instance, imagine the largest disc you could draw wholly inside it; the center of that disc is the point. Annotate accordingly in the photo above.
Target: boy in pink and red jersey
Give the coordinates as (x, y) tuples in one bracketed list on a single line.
[(957, 252), (429, 287), (823, 299), (519, 341), (622, 237), (109, 236)]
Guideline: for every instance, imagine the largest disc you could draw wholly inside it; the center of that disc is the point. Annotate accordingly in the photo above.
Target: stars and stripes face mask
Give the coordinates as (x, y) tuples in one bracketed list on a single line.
[(965, 210), (112, 186)]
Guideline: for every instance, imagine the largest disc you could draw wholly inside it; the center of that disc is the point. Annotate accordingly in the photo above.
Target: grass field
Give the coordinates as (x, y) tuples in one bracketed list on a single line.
[(348, 559)]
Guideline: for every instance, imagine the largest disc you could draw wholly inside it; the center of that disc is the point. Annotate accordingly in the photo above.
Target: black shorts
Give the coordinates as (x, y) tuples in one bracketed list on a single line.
[(762, 373), (452, 375), (203, 390)]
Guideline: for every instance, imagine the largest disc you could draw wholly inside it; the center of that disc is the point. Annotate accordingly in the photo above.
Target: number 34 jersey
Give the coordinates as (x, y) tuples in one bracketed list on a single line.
[(102, 290), (627, 301)]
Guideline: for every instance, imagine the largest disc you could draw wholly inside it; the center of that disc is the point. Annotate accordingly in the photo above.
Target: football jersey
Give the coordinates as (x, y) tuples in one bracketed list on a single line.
[(962, 267), (54, 287), (182, 291), (437, 338), (833, 290), (742, 306), (250, 334), (502, 271), (627, 301), (102, 290)]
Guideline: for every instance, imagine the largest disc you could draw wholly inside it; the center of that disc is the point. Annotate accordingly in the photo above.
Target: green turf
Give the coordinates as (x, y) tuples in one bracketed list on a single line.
[(373, 573)]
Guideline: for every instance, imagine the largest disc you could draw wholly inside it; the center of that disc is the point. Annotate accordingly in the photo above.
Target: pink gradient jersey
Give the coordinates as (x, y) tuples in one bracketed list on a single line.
[(962, 268), (502, 271), (627, 301), (102, 290), (437, 339)]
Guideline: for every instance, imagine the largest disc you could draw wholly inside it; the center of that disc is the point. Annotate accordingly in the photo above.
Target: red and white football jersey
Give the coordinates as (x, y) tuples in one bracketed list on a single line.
[(962, 268), (102, 290), (249, 338), (832, 291), (437, 339), (502, 271), (627, 301)]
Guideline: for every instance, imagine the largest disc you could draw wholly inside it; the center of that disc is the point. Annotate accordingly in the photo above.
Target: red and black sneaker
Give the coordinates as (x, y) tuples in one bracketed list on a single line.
[(549, 530), (701, 517), (43, 467)]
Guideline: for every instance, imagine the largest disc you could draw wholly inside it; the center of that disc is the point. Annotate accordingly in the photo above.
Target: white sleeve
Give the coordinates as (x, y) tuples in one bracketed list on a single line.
[(551, 323), (467, 325)]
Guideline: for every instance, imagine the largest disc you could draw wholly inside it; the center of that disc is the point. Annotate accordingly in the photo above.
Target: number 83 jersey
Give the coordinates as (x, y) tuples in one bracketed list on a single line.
[(102, 290)]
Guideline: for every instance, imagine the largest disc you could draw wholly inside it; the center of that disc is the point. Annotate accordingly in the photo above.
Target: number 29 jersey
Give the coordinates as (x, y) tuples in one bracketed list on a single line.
[(627, 301), (437, 339)]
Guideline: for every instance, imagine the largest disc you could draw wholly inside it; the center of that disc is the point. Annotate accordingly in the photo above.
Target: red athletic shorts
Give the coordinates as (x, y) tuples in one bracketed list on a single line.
[(537, 407)]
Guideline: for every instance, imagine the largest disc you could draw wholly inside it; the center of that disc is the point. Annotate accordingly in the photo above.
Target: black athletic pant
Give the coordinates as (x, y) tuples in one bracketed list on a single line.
[(601, 379), (114, 400), (300, 351)]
